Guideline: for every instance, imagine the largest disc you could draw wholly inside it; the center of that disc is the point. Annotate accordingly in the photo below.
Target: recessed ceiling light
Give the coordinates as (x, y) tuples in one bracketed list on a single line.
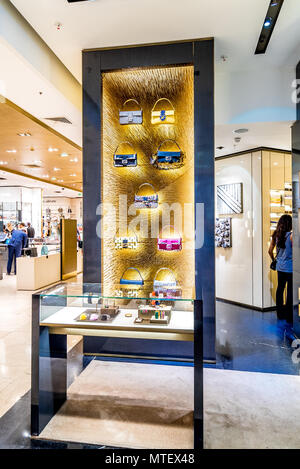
[(60, 180), (56, 169), (74, 160), (72, 175), (37, 162), (53, 179), (11, 151), (52, 149), (64, 154), (24, 134), (45, 176), (2, 163)]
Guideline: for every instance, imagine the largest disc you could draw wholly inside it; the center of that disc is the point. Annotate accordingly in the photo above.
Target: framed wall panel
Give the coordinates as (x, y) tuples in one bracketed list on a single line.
[(97, 64), (183, 72)]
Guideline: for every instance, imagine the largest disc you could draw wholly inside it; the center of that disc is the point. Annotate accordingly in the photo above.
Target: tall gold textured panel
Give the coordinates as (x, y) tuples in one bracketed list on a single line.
[(173, 186)]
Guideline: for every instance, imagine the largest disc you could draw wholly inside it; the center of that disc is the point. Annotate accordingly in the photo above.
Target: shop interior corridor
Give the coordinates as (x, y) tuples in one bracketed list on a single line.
[(254, 369)]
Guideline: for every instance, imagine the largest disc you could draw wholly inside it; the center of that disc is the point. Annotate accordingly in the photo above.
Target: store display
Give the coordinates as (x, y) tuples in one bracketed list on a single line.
[(159, 92), (164, 115), (230, 198), (223, 233), (125, 159), (146, 197), (281, 201), (126, 242), (127, 293), (102, 313), (131, 276), (153, 314), (14, 212), (168, 159), (131, 117), (165, 284), (169, 243)]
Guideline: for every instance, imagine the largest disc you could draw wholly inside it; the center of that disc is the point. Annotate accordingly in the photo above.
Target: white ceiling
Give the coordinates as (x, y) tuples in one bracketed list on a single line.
[(252, 91), (235, 24), (262, 134), (49, 190), (51, 103)]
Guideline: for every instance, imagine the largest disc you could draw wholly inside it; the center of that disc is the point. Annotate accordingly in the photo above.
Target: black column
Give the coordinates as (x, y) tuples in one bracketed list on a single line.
[(48, 373), (91, 166), (204, 189)]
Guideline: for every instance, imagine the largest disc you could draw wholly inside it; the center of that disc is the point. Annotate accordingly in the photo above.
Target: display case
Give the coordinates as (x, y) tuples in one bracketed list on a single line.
[(71, 309), (148, 218)]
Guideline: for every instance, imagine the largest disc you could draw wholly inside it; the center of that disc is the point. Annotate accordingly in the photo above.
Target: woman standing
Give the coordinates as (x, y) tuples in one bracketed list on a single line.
[(282, 239)]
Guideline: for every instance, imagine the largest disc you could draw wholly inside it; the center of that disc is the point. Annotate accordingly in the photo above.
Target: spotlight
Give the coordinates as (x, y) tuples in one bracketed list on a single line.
[(268, 25), (268, 22)]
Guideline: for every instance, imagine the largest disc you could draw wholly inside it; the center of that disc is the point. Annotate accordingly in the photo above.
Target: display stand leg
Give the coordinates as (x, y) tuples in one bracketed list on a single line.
[(49, 372), (198, 374)]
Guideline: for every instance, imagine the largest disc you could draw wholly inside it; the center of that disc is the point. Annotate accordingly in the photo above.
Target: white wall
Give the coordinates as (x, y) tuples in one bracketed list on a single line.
[(234, 269), (243, 272), (54, 203)]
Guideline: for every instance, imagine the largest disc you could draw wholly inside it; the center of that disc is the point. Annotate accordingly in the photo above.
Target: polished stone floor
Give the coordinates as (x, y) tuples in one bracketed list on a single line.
[(247, 341)]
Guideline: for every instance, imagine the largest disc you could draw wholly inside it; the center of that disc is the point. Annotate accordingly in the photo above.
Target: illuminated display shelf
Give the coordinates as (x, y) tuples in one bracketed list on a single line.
[(280, 203)]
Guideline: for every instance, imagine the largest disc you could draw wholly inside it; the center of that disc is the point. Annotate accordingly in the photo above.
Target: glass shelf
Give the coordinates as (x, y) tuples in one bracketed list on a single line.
[(98, 291), (83, 309)]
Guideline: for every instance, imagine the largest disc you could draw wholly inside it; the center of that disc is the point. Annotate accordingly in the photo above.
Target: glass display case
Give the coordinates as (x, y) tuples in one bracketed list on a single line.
[(81, 310), (84, 306)]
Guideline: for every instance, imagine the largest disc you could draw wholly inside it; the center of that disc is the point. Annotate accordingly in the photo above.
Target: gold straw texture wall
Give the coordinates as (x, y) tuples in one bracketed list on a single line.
[(174, 186)]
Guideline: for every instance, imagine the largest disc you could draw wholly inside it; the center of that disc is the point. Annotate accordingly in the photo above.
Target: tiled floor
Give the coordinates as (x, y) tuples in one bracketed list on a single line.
[(15, 343), (246, 340)]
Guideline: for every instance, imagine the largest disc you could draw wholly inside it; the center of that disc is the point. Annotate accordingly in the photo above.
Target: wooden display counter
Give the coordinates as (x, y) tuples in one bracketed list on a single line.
[(34, 273)]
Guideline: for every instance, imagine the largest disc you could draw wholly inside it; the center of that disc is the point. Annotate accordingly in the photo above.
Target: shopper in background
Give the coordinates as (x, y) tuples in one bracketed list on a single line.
[(282, 239), (30, 231), (16, 243), (22, 227)]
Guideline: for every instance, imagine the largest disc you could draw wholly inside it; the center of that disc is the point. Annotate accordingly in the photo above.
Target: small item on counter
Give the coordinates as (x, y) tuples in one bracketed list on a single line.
[(105, 317), (83, 317), (149, 314), (128, 315), (94, 317)]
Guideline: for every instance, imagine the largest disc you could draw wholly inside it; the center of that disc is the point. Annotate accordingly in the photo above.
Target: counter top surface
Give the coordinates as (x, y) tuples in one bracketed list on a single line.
[(181, 321)]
